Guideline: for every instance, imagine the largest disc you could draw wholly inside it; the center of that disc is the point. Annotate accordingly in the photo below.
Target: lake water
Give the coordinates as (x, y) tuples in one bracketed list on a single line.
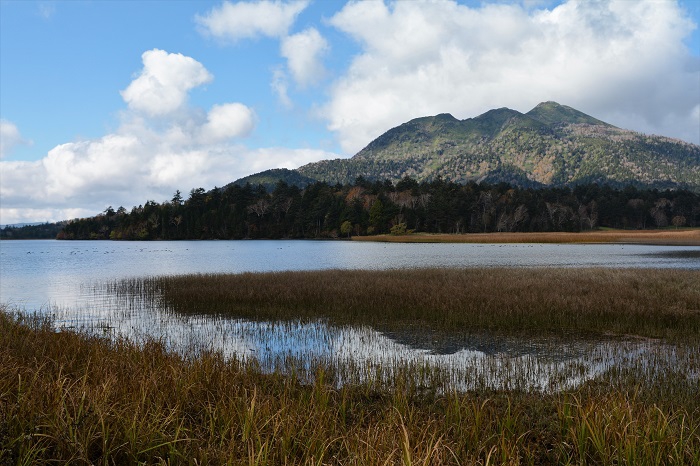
[(65, 279), (40, 273)]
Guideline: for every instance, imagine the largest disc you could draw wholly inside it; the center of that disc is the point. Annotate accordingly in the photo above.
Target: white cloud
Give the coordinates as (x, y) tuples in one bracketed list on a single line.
[(248, 20), (279, 87), (303, 52), (32, 215), (164, 82), (144, 159), (284, 157), (123, 169), (10, 137), (609, 58), (227, 121)]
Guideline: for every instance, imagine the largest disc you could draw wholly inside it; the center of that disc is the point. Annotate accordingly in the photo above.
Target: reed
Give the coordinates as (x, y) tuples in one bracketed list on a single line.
[(648, 303), (70, 397)]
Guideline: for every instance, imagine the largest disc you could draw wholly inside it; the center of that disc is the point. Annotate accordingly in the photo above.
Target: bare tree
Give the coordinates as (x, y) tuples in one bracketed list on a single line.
[(658, 212), (260, 207), (678, 221)]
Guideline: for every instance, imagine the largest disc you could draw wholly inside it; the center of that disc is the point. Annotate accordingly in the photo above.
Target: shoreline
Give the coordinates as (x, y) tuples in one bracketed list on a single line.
[(680, 237)]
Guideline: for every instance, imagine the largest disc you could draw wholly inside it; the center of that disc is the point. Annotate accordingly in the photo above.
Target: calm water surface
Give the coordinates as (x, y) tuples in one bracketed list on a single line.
[(39, 273), (65, 278)]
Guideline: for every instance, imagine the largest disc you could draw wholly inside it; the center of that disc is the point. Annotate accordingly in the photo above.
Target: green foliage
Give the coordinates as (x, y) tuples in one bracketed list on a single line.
[(376, 215), (346, 228), (438, 206), (399, 229)]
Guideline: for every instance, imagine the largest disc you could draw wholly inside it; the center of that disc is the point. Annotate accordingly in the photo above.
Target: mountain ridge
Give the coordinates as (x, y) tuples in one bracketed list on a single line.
[(550, 145)]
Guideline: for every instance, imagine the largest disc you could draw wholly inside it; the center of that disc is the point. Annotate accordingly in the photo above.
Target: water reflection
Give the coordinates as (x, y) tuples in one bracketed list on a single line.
[(361, 354), (36, 275)]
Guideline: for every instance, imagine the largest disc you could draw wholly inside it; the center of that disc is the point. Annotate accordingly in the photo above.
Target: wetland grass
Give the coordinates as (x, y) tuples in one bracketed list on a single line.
[(73, 397), (649, 303), (68, 397)]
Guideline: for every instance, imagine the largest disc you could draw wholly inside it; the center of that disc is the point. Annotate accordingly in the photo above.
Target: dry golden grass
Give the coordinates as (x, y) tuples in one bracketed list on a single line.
[(68, 398), (652, 303), (72, 398), (680, 237)]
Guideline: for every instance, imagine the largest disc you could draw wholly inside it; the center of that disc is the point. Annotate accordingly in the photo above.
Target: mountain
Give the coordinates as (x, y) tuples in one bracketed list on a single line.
[(20, 225), (31, 230), (270, 178), (553, 114), (551, 145)]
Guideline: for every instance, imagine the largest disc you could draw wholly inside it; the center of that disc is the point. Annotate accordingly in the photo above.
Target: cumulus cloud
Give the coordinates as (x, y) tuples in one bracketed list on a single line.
[(617, 60), (303, 52), (10, 137), (126, 169), (248, 20), (227, 121), (145, 158), (164, 82)]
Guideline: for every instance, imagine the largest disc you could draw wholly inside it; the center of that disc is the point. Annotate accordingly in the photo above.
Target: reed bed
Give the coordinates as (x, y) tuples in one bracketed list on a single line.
[(660, 304), (684, 237), (70, 397)]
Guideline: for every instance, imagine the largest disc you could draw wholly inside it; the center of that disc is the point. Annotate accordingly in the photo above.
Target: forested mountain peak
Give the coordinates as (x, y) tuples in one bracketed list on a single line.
[(494, 122), (551, 145), (554, 114), (270, 178)]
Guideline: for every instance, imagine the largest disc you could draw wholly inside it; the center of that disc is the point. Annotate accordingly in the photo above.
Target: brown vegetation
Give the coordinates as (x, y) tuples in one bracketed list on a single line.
[(74, 399), (678, 237), (652, 303)]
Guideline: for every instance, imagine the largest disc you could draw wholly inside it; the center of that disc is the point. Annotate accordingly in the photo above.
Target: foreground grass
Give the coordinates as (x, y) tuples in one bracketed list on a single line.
[(685, 237), (73, 398), (650, 303)]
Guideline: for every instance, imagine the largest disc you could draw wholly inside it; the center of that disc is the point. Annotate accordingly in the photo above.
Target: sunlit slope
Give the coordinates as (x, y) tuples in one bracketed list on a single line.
[(550, 145)]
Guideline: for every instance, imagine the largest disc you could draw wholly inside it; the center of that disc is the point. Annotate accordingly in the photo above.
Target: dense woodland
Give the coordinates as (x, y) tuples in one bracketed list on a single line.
[(325, 211), (42, 231)]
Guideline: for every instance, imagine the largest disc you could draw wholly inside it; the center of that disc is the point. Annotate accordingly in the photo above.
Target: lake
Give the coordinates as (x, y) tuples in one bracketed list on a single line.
[(47, 272), (67, 278)]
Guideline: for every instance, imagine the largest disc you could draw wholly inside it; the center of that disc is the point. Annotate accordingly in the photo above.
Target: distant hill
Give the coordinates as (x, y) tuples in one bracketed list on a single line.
[(32, 230), (270, 178), (551, 145), (20, 225)]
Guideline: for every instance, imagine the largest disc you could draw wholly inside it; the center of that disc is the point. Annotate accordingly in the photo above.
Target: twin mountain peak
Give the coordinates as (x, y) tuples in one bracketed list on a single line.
[(551, 145)]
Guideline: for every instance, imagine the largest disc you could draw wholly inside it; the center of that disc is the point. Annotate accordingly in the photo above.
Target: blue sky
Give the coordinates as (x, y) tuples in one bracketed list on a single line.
[(117, 102)]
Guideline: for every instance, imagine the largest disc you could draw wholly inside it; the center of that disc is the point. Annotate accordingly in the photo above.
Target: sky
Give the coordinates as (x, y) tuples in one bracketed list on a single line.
[(114, 103)]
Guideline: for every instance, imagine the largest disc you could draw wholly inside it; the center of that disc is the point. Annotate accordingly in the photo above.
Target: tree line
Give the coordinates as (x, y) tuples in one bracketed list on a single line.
[(364, 208), (43, 231)]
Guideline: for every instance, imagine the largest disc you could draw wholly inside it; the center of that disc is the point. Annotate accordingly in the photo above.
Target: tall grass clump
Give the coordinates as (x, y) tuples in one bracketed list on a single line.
[(648, 303)]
